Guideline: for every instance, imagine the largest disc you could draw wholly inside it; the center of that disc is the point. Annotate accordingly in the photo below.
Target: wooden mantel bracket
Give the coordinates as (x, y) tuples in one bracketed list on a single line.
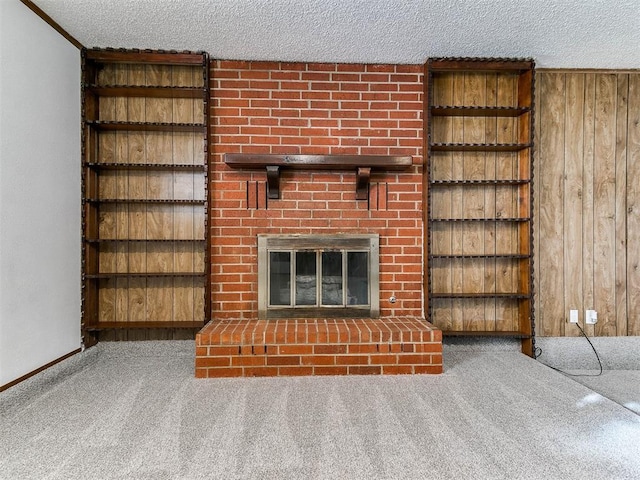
[(362, 183), (361, 164), (273, 182)]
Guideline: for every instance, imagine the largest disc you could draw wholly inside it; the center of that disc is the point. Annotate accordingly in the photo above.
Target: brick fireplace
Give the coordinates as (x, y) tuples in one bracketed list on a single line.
[(271, 108)]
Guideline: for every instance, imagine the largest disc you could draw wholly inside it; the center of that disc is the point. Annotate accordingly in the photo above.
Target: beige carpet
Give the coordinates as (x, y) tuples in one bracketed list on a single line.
[(122, 411)]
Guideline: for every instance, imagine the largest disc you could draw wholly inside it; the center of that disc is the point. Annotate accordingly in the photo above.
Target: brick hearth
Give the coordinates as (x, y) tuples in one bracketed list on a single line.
[(249, 348)]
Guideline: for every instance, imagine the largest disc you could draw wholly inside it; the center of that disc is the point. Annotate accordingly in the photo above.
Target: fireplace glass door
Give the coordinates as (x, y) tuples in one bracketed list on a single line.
[(320, 281)]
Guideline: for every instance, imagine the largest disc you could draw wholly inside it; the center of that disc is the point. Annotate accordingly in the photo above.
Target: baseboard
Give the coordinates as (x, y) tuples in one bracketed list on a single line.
[(575, 353), (38, 370)]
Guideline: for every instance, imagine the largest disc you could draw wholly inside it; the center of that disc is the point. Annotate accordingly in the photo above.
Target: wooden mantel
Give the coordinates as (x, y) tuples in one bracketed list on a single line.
[(362, 164)]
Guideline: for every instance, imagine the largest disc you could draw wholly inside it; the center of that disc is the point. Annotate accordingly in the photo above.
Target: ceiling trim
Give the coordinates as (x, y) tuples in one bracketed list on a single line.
[(38, 11)]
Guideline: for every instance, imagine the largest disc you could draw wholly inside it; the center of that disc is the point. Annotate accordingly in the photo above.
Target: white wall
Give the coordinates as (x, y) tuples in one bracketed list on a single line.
[(39, 193)]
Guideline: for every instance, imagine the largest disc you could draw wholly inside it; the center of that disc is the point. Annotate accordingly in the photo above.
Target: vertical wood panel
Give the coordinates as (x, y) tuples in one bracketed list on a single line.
[(441, 234), (551, 148), (490, 207), (457, 158), (183, 304), (198, 302), (137, 299), (573, 197), (122, 210), (620, 313), (587, 204), (604, 266), (506, 235), (633, 206), (473, 204), (136, 188), (107, 215), (159, 300)]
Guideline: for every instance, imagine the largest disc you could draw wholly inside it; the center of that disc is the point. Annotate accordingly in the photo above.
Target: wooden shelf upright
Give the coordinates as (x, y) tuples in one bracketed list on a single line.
[(479, 197), (144, 185)]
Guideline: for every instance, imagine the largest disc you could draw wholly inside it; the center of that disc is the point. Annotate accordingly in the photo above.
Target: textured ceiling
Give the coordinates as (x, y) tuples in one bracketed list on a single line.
[(556, 33)]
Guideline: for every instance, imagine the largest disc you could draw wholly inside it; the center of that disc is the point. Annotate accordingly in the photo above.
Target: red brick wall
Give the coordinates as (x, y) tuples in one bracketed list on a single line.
[(299, 108)]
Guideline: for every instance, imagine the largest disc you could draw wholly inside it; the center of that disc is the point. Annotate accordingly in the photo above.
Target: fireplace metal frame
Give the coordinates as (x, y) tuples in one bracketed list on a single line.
[(349, 242)]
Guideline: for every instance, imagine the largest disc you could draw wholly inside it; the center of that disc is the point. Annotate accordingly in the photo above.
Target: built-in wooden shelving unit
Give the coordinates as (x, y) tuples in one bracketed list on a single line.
[(478, 197), (144, 176)]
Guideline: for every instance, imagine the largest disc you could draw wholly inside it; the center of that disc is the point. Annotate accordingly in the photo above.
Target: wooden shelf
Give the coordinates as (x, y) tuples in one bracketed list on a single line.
[(146, 126), (146, 200), (149, 57), (143, 240), (461, 64), (143, 275), (146, 91), (145, 166), (499, 219), (477, 182), (485, 333), (362, 164), (479, 147), (319, 162), (145, 325), (460, 111), (509, 256), (481, 295)]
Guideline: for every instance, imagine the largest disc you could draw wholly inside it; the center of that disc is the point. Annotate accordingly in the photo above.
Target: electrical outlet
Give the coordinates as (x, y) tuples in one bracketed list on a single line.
[(591, 317), (573, 316)]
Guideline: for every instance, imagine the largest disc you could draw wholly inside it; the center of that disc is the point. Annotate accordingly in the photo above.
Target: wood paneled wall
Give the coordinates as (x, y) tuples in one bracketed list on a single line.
[(587, 201)]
